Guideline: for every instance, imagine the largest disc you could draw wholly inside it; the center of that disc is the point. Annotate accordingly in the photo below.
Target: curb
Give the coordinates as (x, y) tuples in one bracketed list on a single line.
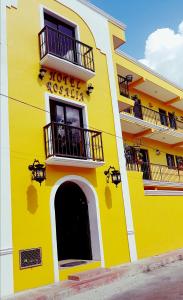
[(149, 264), (63, 290)]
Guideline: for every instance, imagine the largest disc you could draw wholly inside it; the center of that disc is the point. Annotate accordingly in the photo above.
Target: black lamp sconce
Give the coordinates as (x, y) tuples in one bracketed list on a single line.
[(42, 73), (114, 174), (38, 171), (129, 78), (158, 152), (89, 89)]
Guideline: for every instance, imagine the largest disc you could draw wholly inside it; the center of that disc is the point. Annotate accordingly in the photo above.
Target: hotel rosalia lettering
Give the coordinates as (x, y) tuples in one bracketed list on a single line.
[(65, 85)]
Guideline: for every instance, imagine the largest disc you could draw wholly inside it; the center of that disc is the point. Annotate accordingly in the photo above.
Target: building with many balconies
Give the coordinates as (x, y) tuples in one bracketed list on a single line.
[(75, 113)]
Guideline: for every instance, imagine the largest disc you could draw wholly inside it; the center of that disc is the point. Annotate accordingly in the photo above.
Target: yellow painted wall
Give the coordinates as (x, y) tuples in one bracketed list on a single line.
[(118, 35), (157, 219), (30, 202)]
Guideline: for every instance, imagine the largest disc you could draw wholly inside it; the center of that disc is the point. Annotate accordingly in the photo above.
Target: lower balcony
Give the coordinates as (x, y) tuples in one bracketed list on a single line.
[(73, 146), (155, 175)]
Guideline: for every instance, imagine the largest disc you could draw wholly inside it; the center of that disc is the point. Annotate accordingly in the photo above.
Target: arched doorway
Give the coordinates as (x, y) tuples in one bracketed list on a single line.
[(72, 223), (94, 219)]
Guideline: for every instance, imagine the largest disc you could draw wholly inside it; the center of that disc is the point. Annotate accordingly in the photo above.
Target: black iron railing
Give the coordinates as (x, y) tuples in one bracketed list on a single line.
[(144, 113), (51, 41), (123, 86), (74, 142), (156, 172)]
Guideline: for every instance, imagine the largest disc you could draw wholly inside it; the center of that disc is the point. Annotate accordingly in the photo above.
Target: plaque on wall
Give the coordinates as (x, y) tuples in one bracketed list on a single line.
[(30, 258)]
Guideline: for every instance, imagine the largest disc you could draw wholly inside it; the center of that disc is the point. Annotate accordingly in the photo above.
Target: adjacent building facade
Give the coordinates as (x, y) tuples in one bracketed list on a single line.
[(71, 101)]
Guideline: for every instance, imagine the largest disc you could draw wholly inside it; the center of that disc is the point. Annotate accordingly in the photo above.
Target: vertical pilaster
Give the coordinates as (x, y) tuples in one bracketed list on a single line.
[(6, 259)]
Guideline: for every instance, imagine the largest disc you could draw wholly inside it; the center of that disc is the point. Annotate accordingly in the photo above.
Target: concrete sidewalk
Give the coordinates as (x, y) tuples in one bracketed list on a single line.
[(82, 282)]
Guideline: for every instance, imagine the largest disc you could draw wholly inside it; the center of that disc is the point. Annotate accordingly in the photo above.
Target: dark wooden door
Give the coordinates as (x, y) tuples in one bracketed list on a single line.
[(145, 165), (72, 223), (69, 135), (61, 38), (172, 120), (137, 109), (163, 117), (170, 161)]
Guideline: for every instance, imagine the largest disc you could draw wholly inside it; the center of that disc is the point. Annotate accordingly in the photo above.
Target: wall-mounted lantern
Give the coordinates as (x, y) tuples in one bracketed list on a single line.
[(42, 73), (114, 174), (38, 171), (158, 152), (129, 78), (89, 89)]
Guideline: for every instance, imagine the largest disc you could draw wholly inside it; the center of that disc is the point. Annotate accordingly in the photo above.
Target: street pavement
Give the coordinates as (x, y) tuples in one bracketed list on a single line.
[(165, 283)]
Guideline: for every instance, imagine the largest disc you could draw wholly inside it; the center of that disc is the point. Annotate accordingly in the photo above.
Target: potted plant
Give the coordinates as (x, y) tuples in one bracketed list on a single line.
[(139, 156), (180, 163)]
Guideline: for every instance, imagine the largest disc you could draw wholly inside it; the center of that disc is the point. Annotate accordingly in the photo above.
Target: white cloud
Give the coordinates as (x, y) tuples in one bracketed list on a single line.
[(164, 53)]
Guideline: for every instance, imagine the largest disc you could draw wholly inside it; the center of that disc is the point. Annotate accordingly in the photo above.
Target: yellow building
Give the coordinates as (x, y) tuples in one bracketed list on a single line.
[(70, 101), (151, 113)]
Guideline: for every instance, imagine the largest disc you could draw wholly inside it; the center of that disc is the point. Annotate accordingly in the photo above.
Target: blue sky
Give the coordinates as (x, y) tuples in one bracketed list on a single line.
[(143, 17)]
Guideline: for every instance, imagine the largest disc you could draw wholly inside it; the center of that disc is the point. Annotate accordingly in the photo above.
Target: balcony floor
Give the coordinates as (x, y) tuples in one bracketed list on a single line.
[(168, 184), (65, 66), (161, 133), (73, 162)]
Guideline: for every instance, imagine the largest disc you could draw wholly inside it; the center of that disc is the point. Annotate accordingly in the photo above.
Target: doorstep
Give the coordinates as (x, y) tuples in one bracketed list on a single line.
[(64, 272), (95, 278)]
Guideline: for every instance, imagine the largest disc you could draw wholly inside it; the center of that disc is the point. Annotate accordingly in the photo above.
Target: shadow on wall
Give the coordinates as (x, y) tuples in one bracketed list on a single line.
[(32, 199), (108, 197)]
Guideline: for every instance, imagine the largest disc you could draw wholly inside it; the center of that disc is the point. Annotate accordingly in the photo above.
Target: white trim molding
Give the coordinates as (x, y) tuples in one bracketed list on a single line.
[(120, 151), (162, 183), (6, 251), (94, 218), (6, 260), (73, 162), (101, 12), (163, 193)]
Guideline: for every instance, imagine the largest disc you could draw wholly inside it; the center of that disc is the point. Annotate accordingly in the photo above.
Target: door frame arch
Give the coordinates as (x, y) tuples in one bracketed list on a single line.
[(94, 219)]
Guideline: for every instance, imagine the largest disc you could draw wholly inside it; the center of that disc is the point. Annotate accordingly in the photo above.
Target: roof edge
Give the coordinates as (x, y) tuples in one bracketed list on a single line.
[(121, 53), (104, 14)]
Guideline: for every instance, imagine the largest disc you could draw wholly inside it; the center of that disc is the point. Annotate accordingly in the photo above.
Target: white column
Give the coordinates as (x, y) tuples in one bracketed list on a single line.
[(122, 160), (6, 259)]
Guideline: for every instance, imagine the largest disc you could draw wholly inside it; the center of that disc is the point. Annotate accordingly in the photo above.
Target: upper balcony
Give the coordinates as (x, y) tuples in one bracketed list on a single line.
[(147, 82), (152, 124), (156, 175), (124, 100), (66, 54), (73, 146)]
